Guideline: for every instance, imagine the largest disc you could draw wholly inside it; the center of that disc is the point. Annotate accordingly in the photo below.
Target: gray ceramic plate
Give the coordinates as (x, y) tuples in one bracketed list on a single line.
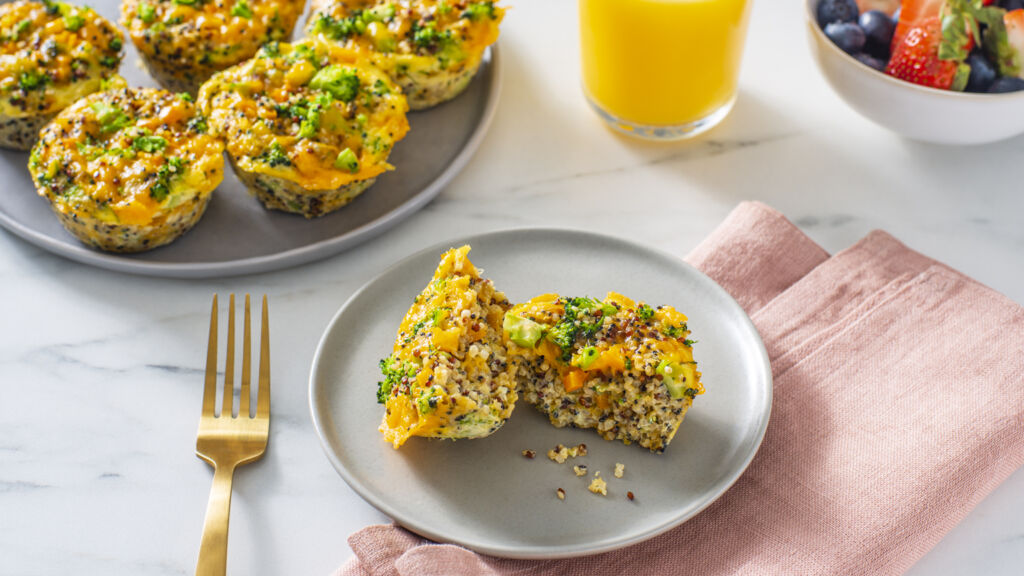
[(482, 493), (236, 235)]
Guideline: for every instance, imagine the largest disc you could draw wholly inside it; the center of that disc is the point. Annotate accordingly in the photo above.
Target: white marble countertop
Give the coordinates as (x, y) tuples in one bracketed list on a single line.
[(100, 373)]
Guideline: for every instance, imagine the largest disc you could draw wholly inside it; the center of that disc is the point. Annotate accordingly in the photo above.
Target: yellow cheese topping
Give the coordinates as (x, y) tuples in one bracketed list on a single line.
[(126, 156), (207, 33), (308, 113), (447, 376), (404, 36), (565, 339), (51, 54)]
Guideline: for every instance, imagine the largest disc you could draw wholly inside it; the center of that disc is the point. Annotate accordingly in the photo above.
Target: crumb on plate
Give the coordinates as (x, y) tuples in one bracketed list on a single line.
[(619, 469), (580, 470), (598, 485), (561, 453)]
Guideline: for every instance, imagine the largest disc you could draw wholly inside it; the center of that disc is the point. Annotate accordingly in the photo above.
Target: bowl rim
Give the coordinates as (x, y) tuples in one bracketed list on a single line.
[(810, 13)]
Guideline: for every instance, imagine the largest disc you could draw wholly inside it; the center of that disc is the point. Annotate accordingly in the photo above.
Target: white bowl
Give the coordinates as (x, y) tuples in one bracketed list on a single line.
[(917, 112)]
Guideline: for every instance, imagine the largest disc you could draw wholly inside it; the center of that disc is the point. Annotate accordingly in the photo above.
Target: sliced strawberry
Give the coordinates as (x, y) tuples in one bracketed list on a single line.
[(1015, 38), (922, 54)]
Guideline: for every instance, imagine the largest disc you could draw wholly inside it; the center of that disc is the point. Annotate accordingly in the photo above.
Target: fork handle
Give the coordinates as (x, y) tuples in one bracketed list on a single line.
[(213, 550)]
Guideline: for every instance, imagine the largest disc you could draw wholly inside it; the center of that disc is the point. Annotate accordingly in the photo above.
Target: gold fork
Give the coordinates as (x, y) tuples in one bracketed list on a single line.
[(227, 442)]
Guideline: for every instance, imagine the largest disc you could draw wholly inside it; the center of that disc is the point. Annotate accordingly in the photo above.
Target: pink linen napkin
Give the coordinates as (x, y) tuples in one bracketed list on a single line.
[(899, 404)]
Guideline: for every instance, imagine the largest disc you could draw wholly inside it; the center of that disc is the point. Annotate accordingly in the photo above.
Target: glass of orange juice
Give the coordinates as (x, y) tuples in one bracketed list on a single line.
[(662, 69)]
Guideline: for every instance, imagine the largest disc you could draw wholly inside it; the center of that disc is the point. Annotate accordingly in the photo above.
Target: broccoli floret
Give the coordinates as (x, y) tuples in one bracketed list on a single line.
[(164, 176), (565, 333), (150, 144), (340, 82), (110, 117), (674, 331), (394, 374), (147, 13), (73, 21), (644, 312), (427, 37), (479, 10), (32, 79), (275, 156), (241, 9), (337, 28)]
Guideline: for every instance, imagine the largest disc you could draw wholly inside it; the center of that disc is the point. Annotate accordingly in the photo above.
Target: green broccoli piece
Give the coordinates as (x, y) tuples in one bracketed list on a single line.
[(241, 9), (110, 117), (340, 82), (147, 13), (151, 144), (479, 10), (395, 374), (275, 156), (164, 176)]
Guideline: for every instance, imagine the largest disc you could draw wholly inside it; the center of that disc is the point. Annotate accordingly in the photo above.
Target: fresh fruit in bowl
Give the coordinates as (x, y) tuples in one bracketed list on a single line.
[(903, 65), (958, 45)]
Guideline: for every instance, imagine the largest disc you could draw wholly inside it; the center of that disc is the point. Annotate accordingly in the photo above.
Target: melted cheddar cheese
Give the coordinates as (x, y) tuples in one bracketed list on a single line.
[(447, 376), (203, 36), (126, 156), (307, 113), (430, 47), (51, 54)]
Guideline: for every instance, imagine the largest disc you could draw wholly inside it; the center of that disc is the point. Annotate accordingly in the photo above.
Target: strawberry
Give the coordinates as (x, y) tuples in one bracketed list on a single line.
[(927, 52), (1014, 21)]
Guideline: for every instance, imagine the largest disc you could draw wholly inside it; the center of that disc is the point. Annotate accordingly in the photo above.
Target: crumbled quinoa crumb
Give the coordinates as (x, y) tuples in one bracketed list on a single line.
[(580, 470), (620, 469), (529, 454), (598, 485), (560, 493), (561, 453)]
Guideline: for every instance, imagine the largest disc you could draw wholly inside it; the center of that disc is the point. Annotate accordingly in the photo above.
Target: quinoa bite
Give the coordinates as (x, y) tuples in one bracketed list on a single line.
[(447, 376), (51, 54), (127, 170), (431, 48), (622, 368), (184, 42), (308, 127)]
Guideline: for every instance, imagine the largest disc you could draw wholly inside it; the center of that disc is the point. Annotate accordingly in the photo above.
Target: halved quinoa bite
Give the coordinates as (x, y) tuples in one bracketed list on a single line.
[(621, 368), (431, 48), (448, 376), (184, 42), (51, 54), (128, 170), (308, 127)]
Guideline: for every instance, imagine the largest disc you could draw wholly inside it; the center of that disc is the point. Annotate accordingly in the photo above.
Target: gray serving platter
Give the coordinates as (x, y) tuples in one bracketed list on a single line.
[(482, 493), (237, 235)]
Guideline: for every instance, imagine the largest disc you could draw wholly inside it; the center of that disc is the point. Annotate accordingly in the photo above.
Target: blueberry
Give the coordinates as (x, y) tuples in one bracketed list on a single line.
[(847, 35), (830, 11), (870, 61), (983, 73), (878, 28), (1006, 84)]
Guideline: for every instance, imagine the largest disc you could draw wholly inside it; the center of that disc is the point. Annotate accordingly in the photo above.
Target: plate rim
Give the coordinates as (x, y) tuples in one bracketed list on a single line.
[(534, 552), (288, 258)]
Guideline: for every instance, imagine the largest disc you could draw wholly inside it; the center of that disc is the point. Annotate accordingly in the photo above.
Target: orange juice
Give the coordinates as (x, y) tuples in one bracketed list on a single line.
[(670, 64)]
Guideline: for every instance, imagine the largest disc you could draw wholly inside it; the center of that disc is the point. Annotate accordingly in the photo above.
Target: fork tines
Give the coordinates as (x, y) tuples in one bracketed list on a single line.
[(210, 389)]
